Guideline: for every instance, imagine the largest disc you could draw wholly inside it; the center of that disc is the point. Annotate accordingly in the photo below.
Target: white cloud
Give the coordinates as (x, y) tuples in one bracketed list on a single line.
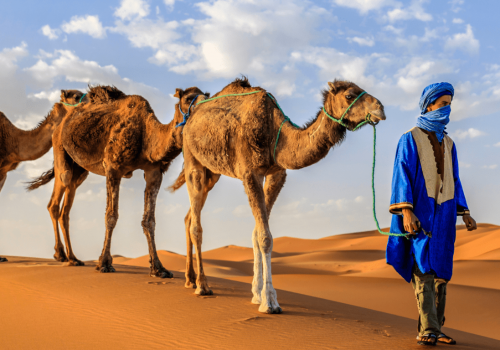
[(85, 24), (169, 3), (469, 133), (465, 42), (130, 9), (414, 11), (9, 57), (464, 165), (364, 6), (333, 63), (52, 96), (270, 31), (67, 64), (148, 33), (497, 144), (418, 72), (455, 5), (363, 41), (458, 20), (491, 167), (52, 34)]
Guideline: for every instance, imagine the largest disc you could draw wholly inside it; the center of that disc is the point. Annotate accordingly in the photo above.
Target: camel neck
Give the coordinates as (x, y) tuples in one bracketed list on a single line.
[(33, 144), (161, 144), (300, 148)]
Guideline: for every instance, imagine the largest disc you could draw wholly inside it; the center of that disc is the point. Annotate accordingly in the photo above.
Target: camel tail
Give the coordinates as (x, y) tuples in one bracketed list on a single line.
[(181, 180), (43, 179)]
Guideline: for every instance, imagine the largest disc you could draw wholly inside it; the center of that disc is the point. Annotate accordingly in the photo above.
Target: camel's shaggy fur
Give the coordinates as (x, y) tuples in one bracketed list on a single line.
[(18, 145), (112, 136)]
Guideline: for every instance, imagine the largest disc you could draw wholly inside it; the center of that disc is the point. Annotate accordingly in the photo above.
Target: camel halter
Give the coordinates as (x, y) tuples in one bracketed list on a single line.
[(372, 123), (70, 105), (186, 115), (341, 120)]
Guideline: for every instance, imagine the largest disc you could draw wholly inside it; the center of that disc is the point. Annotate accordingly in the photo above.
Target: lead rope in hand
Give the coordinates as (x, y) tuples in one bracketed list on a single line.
[(373, 189)]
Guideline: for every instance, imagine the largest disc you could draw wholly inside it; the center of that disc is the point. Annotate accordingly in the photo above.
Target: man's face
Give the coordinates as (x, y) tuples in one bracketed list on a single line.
[(443, 101)]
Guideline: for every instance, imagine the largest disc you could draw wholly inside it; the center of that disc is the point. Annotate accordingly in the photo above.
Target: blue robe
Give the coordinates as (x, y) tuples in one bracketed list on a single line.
[(436, 201)]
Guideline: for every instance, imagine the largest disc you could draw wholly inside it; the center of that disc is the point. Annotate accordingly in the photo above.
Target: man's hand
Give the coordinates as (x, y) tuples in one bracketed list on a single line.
[(411, 222), (469, 222)]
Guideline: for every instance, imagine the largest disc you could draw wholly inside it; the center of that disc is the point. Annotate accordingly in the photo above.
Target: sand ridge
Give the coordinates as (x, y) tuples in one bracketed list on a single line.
[(336, 292)]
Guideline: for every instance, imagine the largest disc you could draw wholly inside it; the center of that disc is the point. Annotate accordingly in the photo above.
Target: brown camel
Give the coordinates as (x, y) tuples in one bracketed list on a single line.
[(236, 136), (113, 136), (18, 145)]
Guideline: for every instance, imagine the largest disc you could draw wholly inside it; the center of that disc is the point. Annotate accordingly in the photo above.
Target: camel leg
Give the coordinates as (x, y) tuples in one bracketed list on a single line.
[(272, 187), (54, 210), (256, 197), (3, 177), (196, 183), (190, 274), (153, 184), (69, 197), (113, 188)]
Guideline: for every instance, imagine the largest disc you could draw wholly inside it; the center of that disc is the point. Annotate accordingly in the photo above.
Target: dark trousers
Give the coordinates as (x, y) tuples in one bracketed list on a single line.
[(430, 292)]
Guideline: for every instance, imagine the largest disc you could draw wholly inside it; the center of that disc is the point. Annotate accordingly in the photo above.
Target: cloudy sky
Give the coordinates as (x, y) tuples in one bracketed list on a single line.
[(393, 49)]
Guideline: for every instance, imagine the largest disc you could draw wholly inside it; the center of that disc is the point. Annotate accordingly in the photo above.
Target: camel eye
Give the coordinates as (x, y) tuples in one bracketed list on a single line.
[(348, 97)]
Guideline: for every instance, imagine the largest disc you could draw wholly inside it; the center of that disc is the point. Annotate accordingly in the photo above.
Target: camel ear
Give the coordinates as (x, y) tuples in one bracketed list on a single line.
[(179, 93), (63, 93), (207, 94), (332, 86)]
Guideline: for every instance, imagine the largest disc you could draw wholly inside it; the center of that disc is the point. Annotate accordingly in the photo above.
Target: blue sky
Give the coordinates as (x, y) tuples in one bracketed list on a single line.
[(393, 49)]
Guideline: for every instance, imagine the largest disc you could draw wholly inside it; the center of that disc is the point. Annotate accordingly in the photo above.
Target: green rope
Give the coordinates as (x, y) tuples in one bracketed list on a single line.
[(340, 121), (81, 98), (287, 119), (373, 189)]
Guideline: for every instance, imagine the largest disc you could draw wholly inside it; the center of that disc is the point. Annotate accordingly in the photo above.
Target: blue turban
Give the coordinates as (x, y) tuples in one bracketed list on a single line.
[(437, 120)]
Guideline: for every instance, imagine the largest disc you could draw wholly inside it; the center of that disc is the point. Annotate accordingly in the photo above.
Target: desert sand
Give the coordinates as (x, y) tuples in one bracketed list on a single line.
[(336, 293)]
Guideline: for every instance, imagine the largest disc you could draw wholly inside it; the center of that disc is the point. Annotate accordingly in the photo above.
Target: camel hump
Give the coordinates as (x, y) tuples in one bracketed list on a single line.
[(104, 94), (239, 85)]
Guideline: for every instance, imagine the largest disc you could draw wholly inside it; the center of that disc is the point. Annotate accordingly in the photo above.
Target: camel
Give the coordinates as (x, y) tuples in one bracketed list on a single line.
[(18, 145), (237, 136), (113, 136)]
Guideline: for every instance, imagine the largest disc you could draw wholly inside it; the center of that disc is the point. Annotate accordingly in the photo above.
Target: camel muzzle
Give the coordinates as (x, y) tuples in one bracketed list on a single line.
[(377, 115)]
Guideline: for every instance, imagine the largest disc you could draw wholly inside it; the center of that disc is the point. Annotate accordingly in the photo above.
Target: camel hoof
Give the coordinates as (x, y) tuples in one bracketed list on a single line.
[(271, 310), (75, 263), (204, 292), (61, 257), (162, 274), (106, 269), (190, 284), (3, 259)]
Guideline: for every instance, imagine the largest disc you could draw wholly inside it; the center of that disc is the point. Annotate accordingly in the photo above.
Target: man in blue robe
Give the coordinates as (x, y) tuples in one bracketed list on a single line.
[(427, 196)]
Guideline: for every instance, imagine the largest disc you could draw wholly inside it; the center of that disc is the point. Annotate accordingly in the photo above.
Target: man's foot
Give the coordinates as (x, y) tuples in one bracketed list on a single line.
[(428, 339), (443, 338)]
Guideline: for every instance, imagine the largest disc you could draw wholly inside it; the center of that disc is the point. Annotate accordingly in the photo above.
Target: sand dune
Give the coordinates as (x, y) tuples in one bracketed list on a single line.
[(336, 292)]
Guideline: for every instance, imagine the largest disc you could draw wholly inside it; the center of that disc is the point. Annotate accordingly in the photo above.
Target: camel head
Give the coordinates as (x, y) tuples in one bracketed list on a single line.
[(72, 97), (186, 105), (342, 94)]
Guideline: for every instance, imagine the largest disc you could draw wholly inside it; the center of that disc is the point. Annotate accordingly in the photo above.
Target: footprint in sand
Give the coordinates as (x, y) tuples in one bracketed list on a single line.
[(158, 283)]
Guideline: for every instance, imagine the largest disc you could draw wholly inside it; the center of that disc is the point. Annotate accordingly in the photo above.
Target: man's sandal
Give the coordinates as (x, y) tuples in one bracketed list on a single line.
[(428, 339), (443, 338)]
